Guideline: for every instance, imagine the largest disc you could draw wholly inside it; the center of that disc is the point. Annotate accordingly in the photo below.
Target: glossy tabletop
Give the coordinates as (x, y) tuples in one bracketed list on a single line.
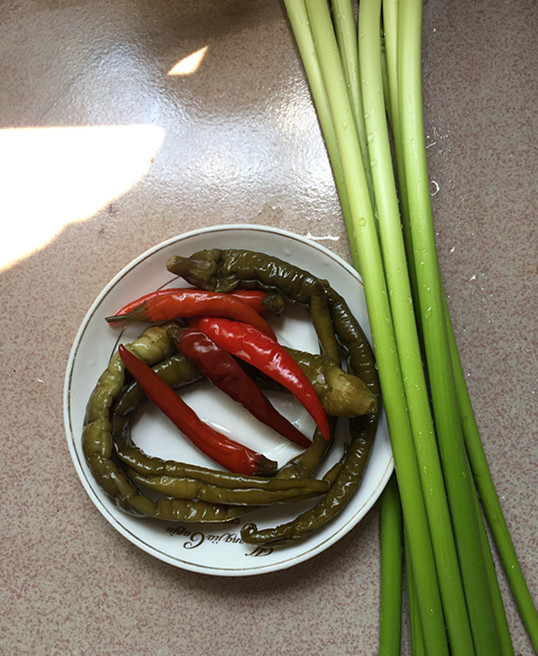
[(128, 122)]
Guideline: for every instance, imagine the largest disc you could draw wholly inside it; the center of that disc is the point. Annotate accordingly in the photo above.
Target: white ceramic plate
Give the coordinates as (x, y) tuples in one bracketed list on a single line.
[(216, 548)]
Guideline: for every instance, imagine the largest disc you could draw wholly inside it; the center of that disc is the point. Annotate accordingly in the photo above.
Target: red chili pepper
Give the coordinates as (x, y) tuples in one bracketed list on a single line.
[(188, 303), (266, 354), (223, 370), (226, 452), (252, 297)]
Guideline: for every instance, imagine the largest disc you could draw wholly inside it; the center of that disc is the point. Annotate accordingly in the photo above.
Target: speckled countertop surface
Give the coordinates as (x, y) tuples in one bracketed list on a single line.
[(103, 154)]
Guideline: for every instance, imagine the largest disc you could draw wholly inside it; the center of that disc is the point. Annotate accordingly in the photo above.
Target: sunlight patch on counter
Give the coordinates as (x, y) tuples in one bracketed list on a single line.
[(54, 176), (190, 64), (309, 235)]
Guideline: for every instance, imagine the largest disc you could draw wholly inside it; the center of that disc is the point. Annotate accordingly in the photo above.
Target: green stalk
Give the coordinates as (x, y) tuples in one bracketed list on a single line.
[(298, 19), (390, 24), (431, 309), (384, 70), (415, 626), (490, 500), (407, 339), (344, 25), (390, 627), (332, 86), (346, 38), (505, 641), (364, 233), (390, 29)]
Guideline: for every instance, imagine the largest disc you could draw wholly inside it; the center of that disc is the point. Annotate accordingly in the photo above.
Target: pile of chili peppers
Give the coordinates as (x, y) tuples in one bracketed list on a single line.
[(217, 330)]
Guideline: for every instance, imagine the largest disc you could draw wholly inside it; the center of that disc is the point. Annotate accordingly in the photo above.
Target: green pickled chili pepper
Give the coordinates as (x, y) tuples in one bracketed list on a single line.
[(308, 462), (227, 269), (152, 467), (322, 320), (185, 488), (360, 357), (341, 393), (223, 270), (97, 447), (346, 477), (195, 511)]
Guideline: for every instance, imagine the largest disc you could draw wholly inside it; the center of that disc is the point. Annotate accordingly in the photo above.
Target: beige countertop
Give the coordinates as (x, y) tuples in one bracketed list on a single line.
[(104, 152)]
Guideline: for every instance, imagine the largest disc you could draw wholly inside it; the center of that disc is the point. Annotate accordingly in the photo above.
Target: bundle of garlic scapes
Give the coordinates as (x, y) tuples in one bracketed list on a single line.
[(365, 80)]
